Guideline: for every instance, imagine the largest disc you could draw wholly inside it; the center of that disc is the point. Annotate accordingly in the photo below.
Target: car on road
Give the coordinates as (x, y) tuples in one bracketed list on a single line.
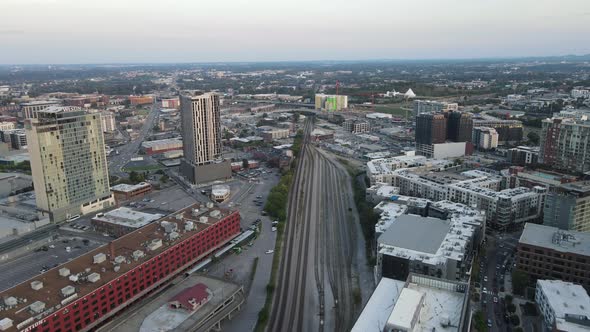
[(270, 251), (274, 229), (485, 279), (495, 299), (485, 290), (489, 323)]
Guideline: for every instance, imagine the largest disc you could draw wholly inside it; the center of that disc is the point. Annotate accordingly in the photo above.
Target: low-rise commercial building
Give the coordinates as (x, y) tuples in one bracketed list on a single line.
[(420, 303), (517, 176), (273, 134), (444, 150), (121, 221), (141, 100), (162, 145), (545, 252), (5, 125), (565, 306), (124, 192)]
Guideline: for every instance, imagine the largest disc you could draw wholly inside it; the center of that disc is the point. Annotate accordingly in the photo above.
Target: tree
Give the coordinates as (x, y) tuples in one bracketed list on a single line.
[(520, 281), (164, 178), (533, 137), (480, 323), (511, 308)]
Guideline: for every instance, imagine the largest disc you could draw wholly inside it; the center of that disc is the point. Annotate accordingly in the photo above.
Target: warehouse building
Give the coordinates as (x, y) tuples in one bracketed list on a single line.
[(87, 291), (163, 145)]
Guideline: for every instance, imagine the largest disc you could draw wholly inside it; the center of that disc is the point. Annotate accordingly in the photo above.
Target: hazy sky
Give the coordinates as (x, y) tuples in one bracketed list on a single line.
[(102, 31)]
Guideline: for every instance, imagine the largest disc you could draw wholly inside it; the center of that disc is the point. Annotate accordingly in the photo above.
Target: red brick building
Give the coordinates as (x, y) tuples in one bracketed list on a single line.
[(124, 192), (88, 291)]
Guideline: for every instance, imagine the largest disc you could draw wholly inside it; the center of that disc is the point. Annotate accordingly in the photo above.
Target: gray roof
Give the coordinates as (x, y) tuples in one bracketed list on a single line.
[(423, 234), (556, 239)]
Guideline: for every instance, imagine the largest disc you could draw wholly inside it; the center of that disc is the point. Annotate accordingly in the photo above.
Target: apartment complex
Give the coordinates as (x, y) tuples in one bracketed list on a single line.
[(68, 162), (330, 103), (509, 131), (201, 134), (563, 305), (356, 126), (429, 106), (545, 252), (564, 144), (503, 208), (439, 246), (87, 291), (108, 122), (15, 138), (523, 155), (459, 127), (485, 138), (567, 207)]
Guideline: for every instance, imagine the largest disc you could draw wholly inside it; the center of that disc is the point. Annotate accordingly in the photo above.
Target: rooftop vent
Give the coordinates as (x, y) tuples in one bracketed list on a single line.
[(99, 258), (155, 244), (64, 272), (173, 236), (209, 204), (5, 324), (94, 277), (74, 278), (195, 212), (178, 216), (119, 259), (215, 213), (10, 301), (189, 226), (168, 226), (137, 254), (203, 220), (36, 285), (68, 290), (37, 307)]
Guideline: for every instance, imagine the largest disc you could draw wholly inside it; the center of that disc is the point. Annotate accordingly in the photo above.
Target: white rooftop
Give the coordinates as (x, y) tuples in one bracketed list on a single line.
[(378, 308), (556, 239), (389, 212), (129, 187), (128, 217), (406, 306), (566, 298)]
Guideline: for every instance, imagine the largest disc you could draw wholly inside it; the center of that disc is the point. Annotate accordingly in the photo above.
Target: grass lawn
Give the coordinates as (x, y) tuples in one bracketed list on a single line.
[(394, 110)]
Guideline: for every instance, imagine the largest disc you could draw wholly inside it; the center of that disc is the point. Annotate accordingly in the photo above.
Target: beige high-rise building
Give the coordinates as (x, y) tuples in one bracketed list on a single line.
[(201, 135), (68, 162)]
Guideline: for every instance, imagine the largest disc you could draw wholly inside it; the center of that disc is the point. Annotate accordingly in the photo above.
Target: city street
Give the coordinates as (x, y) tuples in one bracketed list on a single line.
[(494, 266), (129, 150)]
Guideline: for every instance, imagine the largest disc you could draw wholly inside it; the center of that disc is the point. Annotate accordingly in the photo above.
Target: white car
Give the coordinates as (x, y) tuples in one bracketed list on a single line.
[(274, 229), (270, 251)]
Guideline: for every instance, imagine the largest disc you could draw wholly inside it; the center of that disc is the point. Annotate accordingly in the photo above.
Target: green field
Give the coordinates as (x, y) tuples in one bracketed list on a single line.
[(395, 110)]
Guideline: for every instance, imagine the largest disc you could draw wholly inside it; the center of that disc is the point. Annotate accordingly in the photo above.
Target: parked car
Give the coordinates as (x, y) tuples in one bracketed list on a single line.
[(270, 251)]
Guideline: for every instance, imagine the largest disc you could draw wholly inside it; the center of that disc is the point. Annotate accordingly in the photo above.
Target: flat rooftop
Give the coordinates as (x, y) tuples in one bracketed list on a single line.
[(565, 297), (151, 144), (556, 239), (123, 187), (124, 246), (417, 233), (378, 308), (127, 217)]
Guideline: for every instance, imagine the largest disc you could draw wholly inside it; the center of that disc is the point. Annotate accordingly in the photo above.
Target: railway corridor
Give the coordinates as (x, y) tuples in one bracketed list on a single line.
[(314, 290)]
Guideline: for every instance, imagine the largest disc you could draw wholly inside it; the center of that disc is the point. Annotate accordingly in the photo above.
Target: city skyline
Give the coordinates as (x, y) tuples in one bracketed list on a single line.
[(153, 32)]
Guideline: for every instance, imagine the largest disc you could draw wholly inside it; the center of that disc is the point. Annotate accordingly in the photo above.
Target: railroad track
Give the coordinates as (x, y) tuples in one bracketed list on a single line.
[(318, 238)]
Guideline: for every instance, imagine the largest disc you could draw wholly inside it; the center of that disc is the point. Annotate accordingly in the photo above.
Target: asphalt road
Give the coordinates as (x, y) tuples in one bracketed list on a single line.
[(128, 151), (28, 266), (497, 262)]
